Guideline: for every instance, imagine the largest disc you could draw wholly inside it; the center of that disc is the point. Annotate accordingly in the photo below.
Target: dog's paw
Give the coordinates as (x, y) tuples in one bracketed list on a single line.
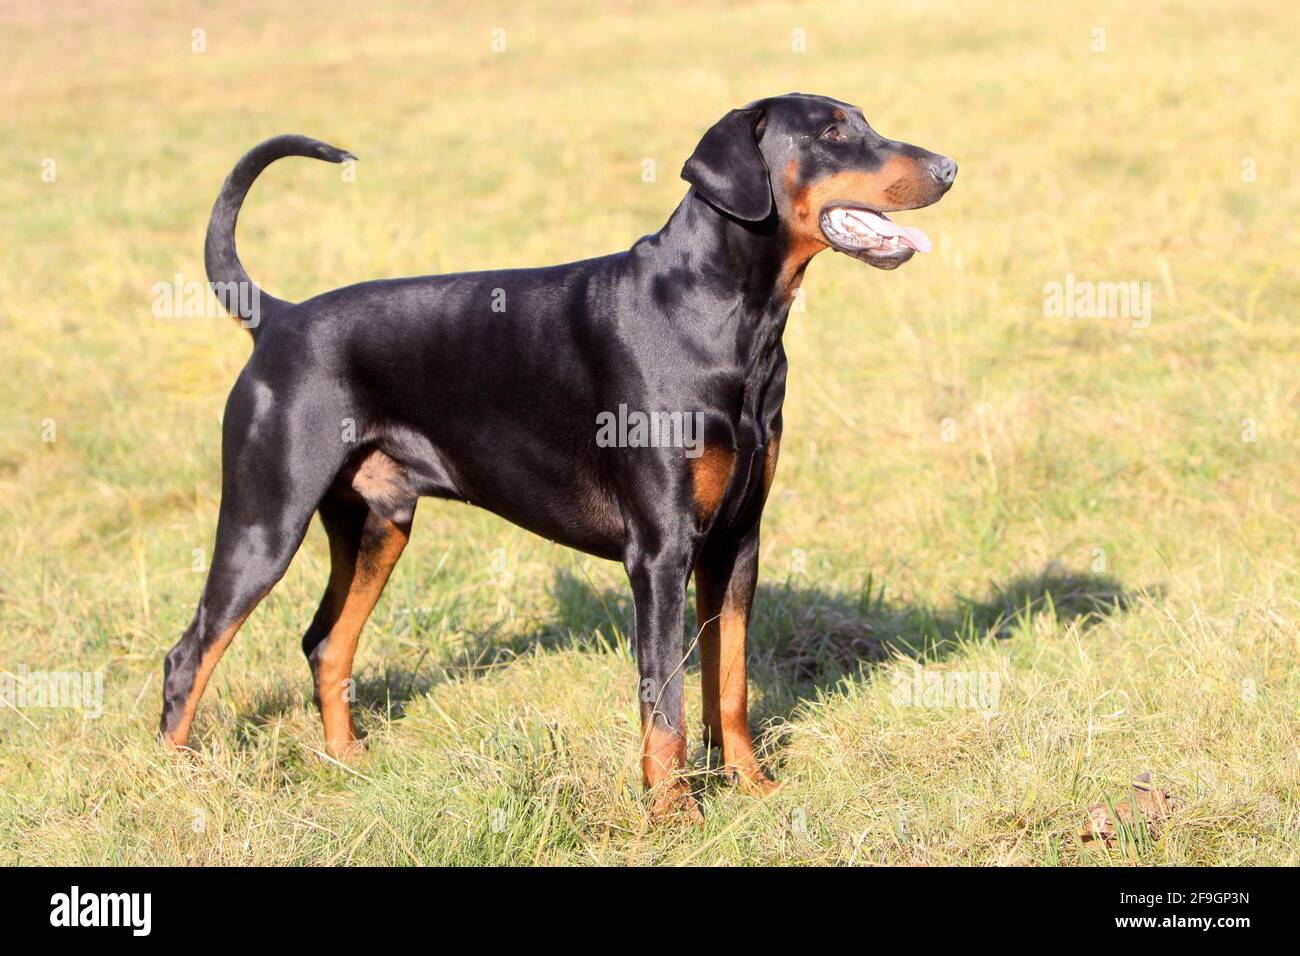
[(348, 749), (762, 786), (176, 747), (673, 803)]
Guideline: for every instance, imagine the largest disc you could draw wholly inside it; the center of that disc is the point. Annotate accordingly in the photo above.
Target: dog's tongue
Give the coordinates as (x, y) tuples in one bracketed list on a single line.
[(908, 235)]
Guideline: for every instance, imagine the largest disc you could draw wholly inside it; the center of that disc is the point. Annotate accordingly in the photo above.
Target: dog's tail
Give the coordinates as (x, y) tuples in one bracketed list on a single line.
[(226, 275)]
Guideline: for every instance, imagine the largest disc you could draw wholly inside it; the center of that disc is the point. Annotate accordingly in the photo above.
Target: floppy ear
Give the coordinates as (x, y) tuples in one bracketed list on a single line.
[(728, 169)]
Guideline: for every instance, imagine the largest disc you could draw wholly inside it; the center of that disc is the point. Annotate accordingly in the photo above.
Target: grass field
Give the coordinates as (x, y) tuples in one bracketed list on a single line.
[(1097, 517)]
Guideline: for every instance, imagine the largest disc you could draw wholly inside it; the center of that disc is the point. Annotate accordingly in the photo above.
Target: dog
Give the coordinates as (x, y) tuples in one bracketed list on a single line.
[(486, 388)]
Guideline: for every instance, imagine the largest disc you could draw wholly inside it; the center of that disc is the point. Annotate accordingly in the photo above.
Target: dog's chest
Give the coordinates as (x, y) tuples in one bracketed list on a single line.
[(753, 468)]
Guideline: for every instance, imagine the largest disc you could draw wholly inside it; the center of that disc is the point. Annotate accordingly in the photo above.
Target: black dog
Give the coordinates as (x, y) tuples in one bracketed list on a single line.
[(488, 387)]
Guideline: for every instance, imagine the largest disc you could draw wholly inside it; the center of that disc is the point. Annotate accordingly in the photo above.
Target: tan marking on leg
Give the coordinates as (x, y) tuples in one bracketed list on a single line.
[(663, 757), (663, 751), (710, 475), (334, 672), (179, 736), (724, 625), (733, 700), (343, 568)]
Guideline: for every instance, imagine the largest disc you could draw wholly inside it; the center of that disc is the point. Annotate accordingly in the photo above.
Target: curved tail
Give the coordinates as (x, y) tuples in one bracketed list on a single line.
[(226, 275)]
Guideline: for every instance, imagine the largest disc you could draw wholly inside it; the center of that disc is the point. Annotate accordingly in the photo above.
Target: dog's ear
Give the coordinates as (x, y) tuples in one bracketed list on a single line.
[(728, 169)]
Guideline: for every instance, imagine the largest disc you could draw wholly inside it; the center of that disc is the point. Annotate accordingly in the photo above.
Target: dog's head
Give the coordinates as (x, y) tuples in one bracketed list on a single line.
[(829, 178)]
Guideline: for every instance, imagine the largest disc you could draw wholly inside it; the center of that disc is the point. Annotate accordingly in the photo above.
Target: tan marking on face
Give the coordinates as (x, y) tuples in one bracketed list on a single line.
[(806, 236), (710, 475), (899, 183), (373, 566)]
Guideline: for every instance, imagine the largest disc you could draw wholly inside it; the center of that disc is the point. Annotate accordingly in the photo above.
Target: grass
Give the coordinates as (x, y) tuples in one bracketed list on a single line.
[(1065, 509)]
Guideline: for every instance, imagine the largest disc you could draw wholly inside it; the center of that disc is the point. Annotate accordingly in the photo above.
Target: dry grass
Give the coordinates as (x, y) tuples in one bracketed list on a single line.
[(1096, 536)]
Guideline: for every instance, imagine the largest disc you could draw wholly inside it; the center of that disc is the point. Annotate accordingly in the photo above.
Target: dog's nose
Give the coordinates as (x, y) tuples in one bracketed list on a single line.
[(943, 169)]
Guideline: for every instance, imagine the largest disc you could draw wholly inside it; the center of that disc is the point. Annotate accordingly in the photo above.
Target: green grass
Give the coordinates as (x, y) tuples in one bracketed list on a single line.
[(1096, 537)]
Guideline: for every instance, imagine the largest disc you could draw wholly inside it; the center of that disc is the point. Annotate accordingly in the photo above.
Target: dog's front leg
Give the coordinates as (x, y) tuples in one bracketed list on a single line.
[(725, 576), (658, 579)]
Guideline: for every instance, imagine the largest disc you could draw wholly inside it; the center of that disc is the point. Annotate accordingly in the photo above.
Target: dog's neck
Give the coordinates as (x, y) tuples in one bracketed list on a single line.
[(741, 276)]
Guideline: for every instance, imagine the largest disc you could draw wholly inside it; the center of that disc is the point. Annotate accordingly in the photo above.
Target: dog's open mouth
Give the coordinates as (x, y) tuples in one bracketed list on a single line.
[(871, 236)]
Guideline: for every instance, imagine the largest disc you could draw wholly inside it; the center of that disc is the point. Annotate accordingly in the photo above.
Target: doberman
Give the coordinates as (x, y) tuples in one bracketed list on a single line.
[(487, 387)]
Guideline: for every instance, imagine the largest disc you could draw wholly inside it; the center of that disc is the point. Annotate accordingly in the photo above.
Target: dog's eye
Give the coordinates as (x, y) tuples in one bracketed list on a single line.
[(832, 133)]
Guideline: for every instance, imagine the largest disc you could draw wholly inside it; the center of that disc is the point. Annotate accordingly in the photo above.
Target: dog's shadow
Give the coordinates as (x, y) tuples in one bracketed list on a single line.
[(803, 640), (806, 641)]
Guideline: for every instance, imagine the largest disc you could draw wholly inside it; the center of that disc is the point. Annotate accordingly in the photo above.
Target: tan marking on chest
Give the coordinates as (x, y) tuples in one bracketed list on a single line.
[(710, 475), (769, 464)]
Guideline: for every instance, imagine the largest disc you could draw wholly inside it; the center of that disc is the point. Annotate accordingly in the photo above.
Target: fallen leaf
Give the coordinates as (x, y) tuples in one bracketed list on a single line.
[(1153, 807)]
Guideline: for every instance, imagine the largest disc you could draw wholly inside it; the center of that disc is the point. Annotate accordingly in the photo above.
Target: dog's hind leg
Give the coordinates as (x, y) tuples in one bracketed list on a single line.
[(344, 519), (249, 559), (268, 495), (364, 546)]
